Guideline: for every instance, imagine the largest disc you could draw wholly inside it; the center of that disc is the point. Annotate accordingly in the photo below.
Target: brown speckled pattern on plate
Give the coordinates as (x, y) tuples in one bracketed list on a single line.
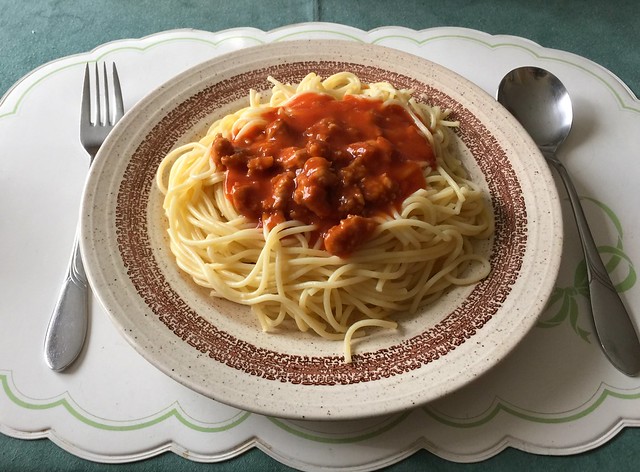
[(483, 302)]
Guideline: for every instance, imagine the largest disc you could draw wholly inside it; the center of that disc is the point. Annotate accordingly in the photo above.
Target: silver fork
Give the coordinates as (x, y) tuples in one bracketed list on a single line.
[(68, 324)]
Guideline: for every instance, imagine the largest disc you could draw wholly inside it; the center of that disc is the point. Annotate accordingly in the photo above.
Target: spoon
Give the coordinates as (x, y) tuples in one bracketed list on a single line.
[(541, 103)]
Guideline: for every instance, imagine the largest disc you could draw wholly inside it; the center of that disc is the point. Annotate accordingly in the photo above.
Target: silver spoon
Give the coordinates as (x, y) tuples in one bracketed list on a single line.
[(541, 103)]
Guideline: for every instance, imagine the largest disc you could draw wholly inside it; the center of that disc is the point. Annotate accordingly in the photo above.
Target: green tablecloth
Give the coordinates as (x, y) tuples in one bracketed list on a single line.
[(34, 32)]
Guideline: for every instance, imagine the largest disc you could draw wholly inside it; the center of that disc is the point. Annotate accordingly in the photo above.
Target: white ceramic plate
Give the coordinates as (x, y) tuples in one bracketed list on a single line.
[(217, 348)]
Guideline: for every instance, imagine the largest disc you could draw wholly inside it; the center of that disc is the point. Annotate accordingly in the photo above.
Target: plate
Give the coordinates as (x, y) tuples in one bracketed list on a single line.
[(217, 348)]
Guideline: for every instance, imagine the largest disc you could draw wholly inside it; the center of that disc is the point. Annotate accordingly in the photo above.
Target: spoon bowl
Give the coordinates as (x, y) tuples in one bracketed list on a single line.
[(541, 103)]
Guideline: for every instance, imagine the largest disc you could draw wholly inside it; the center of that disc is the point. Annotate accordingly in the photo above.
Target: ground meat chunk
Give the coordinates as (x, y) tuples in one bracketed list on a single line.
[(350, 201), (323, 130), (237, 160), (379, 189), (277, 130), (352, 231), (315, 147), (341, 158), (313, 185), (354, 172), (293, 158), (364, 151), (283, 187), (371, 153), (246, 200), (221, 147), (386, 148), (259, 164)]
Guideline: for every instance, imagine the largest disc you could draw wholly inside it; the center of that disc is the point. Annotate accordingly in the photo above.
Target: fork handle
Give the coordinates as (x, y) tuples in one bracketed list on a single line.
[(68, 324)]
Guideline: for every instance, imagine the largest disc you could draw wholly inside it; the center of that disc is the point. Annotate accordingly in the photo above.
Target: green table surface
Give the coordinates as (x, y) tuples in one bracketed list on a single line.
[(33, 32)]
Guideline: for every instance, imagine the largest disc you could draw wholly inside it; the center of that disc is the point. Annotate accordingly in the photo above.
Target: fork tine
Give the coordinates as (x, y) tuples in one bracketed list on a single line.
[(105, 93), (101, 97), (117, 94), (85, 108), (98, 114)]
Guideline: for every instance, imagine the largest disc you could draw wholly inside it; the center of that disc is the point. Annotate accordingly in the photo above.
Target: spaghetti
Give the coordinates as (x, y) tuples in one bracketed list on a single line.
[(270, 210)]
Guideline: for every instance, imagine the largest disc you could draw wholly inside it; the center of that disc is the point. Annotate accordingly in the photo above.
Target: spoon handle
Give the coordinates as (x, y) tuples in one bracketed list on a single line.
[(613, 324)]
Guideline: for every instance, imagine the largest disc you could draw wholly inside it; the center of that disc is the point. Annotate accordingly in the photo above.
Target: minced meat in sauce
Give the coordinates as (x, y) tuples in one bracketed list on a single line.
[(331, 163)]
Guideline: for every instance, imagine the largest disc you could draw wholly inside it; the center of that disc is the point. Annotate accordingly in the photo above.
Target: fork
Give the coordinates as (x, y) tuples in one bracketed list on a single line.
[(67, 328)]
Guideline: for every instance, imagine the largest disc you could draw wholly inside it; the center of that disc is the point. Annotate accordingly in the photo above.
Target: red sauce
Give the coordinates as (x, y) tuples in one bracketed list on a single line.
[(332, 163)]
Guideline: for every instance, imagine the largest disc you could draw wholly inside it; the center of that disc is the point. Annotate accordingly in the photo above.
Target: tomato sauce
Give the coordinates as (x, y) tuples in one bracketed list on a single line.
[(332, 163)]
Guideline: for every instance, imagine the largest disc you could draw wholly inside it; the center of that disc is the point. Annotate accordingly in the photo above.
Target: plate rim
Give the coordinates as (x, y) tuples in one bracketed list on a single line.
[(148, 100)]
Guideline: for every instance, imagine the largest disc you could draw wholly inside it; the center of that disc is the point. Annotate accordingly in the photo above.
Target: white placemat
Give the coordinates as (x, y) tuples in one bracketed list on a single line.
[(555, 394)]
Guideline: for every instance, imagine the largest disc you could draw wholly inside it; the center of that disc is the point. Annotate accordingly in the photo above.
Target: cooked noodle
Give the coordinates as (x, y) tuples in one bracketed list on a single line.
[(283, 272)]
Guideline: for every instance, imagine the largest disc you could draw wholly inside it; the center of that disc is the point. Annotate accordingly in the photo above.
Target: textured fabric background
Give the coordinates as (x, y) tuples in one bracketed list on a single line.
[(33, 32)]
